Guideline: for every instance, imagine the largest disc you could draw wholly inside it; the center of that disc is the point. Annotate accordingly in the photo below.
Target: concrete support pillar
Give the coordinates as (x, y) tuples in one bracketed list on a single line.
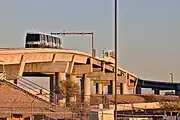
[(111, 87), (99, 88), (177, 92), (21, 69), (138, 89), (73, 79), (125, 88), (82, 89), (87, 89), (121, 88), (156, 92), (51, 97), (60, 77)]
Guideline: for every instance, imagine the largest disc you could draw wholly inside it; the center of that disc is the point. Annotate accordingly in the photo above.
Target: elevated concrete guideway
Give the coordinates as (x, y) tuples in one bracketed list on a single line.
[(63, 63), (157, 86), (56, 57)]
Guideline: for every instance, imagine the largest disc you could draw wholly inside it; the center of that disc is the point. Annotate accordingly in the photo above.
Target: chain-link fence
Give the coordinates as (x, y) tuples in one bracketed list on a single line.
[(32, 108), (37, 111), (27, 100)]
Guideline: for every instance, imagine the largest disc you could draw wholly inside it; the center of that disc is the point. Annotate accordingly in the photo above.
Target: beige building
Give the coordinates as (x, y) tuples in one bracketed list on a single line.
[(101, 114)]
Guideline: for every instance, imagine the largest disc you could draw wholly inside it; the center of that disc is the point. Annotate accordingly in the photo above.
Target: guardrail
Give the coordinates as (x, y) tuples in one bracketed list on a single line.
[(35, 89)]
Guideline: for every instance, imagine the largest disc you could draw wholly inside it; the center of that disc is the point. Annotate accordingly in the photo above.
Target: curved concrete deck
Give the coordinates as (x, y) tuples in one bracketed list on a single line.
[(19, 60)]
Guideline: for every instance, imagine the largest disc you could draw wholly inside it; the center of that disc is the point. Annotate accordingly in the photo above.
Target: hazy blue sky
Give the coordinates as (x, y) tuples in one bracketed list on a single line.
[(149, 30)]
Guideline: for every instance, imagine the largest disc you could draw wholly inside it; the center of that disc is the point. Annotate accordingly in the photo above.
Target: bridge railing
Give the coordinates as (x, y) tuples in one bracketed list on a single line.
[(35, 89)]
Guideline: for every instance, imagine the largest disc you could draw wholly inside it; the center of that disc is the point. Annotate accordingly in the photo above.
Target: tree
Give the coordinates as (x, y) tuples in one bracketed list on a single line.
[(67, 89), (170, 105)]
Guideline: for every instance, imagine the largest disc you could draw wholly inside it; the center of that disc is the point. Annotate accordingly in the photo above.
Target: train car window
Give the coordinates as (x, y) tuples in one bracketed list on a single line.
[(47, 38), (42, 40), (32, 37), (47, 41), (60, 41), (54, 42), (50, 41), (57, 43), (42, 37)]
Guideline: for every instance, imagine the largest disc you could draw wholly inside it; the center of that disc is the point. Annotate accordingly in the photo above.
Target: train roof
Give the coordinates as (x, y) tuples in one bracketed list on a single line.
[(43, 34)]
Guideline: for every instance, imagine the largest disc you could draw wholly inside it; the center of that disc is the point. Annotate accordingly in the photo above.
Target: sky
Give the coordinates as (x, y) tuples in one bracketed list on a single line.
[(148, 30)]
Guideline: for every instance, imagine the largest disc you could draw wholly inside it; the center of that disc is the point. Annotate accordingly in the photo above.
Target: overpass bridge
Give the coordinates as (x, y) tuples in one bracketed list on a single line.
[(62, 64), (157, 86)]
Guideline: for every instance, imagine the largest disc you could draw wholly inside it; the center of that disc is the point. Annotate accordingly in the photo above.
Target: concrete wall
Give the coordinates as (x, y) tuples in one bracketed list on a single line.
[(152, 105), (171, 118), (140, 119), (106, 114), (14, 119)]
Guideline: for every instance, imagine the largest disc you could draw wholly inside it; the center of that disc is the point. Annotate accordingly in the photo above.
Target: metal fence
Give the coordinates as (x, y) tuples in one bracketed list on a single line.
[(36, 104)]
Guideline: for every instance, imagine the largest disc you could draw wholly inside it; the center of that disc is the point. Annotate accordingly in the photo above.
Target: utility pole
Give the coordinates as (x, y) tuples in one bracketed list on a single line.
[(115, 47)]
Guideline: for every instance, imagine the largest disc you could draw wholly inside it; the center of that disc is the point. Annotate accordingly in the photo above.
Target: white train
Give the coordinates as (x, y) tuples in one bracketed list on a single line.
[(42, 40)]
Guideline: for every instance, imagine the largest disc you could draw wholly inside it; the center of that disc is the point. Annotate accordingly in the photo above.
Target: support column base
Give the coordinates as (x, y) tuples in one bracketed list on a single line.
[(125, 89), (138, 90), (87, 99), (177, 92), (72, 99), (157, 92)]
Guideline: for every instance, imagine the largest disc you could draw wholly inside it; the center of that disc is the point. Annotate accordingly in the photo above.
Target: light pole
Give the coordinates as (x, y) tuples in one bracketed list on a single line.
[(79, 33), (115, 47), (171, 78)]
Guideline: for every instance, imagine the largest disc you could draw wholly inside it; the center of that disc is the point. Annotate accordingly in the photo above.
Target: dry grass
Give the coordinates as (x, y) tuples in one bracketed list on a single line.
[(14, 100)]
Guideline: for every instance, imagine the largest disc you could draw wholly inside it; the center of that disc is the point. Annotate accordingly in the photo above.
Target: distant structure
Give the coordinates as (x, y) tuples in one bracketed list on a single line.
[(109, 53), (109, 56)]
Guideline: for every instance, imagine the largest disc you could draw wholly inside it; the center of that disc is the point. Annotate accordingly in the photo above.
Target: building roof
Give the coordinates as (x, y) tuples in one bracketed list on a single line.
[(16, 101), (134, 98)]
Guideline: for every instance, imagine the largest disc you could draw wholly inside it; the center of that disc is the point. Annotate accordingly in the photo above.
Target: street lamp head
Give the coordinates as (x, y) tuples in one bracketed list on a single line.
[(171, 73)]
